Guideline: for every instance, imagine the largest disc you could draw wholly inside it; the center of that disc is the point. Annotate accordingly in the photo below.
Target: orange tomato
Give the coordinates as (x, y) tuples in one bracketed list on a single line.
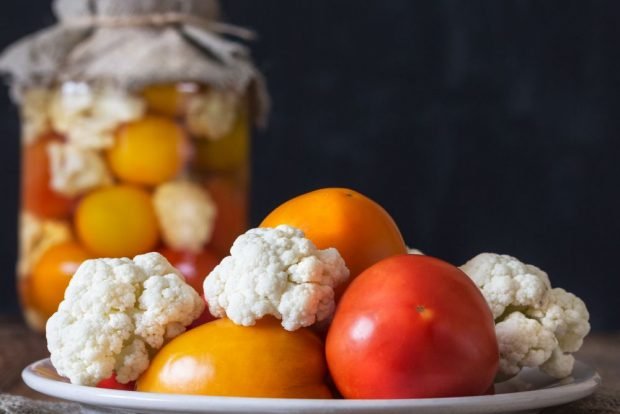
[(52, 273), (224, 359), (37, 195), (148, 151), (232, 213), (361, 230), (117, 221)]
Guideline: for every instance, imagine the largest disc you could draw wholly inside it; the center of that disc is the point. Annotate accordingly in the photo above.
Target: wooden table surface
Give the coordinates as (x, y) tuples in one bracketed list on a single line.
[(19, 346)]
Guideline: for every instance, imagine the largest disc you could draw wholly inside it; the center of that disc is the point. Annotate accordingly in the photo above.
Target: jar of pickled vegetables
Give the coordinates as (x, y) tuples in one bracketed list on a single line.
[(136, 119)]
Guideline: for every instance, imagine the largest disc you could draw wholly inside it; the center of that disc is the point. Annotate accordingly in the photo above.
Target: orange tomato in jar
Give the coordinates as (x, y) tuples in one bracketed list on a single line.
[(117, 221), (52, 273), (37, 195), (223, 359), (148, 151), (362, 231)]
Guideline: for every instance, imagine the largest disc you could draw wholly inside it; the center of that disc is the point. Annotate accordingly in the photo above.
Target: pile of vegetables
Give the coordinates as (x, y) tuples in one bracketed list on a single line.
[(322, 300)]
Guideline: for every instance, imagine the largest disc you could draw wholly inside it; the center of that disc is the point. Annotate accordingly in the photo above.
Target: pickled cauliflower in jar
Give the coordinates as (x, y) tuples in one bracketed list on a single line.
[(113, 173), (135, 138)]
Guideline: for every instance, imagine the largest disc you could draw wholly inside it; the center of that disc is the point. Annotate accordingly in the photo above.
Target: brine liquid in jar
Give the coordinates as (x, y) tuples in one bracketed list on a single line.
[(108, 172)]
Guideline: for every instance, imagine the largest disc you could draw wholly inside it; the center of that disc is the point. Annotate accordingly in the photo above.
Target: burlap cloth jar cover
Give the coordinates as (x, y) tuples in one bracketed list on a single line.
[(78, 82), (134, 43)]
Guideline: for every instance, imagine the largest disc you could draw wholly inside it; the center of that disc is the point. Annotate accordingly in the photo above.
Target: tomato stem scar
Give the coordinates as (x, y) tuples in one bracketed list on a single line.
[(420, 308)]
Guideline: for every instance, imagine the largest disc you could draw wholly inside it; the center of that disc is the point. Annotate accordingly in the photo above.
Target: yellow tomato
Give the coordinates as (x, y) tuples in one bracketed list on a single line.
[(228, 153), (221, 358), (117, 221), (169, 98), (148, 151), (52, 273)]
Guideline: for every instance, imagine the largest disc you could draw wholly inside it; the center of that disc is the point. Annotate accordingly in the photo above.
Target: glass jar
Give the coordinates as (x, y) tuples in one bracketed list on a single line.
[(117, 169)]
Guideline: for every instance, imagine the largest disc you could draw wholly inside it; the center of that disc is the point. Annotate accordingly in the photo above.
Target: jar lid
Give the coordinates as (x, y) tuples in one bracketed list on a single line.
[(67, 10), (134, 43)]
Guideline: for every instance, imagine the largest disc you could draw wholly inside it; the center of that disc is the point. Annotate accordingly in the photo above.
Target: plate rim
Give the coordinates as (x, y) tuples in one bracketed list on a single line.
[(520, 400)]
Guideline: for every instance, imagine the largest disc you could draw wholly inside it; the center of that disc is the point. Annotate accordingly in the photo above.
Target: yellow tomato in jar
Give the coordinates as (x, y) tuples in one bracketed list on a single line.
[(117, 221), (52, 273), (148, 151), (169, 98), (228, 153), (224, 359)]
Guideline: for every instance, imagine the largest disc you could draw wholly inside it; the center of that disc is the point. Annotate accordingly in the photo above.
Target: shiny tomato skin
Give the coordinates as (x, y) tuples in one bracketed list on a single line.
[(193, 266), (112, 384), (37, 195), (412, 326)]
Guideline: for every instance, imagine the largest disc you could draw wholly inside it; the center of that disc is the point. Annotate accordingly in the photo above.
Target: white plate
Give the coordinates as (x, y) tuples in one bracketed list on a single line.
[(529, 391)]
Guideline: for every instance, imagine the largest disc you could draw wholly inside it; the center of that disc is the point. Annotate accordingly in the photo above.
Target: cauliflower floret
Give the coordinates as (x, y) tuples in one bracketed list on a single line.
[(559, 364), (523, 342), (35, 237), (411, 250), (212, 114), (90, 117), (115, 313), (527, 313), (505, 281), (566, 316), (186, 214), (75, 170), (34, 114), (69, 103), (279, 272)]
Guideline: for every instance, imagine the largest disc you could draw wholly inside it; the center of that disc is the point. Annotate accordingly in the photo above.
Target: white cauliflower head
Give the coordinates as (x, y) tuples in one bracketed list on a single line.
[(505, 281), (523, 342), (411, 250), (186, 214), (212, 114), (89, 116), (116, 312), (536, 326), (279, 272), (35, 114), (76, 170), (566, 316), (35, 237)]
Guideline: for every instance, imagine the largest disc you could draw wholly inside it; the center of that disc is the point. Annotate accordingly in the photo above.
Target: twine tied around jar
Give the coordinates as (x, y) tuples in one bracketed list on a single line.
[(161, 19), (131, 44)]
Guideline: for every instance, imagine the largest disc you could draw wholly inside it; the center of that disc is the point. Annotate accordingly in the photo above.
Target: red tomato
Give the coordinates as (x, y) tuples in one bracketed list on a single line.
[(194, 266), (232, 213), (37, 195), (112, 384), (412, 326)]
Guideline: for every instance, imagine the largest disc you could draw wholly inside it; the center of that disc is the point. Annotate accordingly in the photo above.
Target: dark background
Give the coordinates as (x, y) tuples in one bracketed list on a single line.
[(480, 125)]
